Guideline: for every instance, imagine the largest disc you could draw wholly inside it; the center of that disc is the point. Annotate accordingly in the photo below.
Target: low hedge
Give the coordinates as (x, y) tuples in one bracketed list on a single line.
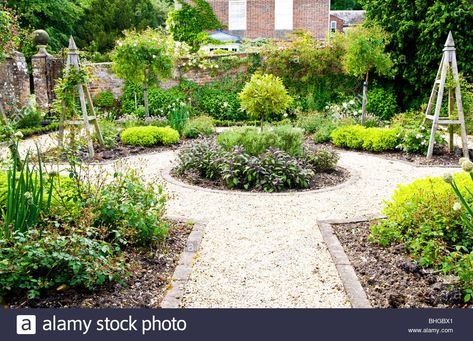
[(149, 136), (370, 139)]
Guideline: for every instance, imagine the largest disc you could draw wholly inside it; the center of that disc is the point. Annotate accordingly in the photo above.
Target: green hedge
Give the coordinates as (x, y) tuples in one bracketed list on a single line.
[(149, 136), (370, 139)]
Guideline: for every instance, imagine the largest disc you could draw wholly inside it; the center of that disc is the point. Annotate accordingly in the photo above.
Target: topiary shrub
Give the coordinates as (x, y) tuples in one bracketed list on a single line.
[(149, 136), (370, 139), (255, 142), (199, 126), (264, 97)]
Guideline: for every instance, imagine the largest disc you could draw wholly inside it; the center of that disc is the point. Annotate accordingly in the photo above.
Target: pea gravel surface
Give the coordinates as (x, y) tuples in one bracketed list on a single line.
[(266, 251)]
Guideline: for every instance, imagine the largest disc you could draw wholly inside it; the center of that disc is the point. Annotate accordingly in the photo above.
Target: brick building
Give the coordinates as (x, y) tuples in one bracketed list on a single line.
[(273, 18)]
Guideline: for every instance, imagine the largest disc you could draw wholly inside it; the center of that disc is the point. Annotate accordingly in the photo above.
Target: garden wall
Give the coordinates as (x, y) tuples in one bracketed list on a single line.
[(46, 69), (14, 81)]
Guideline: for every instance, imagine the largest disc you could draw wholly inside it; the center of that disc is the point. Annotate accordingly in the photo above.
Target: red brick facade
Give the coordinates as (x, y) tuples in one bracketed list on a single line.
[(309, 15), (340, 23)]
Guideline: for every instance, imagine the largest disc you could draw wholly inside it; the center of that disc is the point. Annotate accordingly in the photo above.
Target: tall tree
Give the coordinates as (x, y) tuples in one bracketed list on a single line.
[(105, 20), (189, 23), (418, 31), (57, 17), (339, 5)]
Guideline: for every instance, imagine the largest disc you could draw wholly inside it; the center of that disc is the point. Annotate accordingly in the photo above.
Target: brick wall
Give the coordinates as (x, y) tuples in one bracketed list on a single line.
[(339, 21), (309, 15), (14, 82)]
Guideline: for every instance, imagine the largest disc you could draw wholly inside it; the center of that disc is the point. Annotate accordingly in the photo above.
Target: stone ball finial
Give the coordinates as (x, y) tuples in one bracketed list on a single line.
[(40, 37)]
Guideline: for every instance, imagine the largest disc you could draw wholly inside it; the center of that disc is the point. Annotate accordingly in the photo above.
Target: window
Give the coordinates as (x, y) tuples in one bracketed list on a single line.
[(237, 15), (284, 15), (333, 26)]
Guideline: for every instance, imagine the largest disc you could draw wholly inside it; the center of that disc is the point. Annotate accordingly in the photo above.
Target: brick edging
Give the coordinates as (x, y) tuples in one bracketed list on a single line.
[(351, 283), (181, 275)]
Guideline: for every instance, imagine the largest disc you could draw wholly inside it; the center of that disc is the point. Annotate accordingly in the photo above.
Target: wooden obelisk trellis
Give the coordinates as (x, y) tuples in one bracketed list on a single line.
[(85, 98), (448, 65)]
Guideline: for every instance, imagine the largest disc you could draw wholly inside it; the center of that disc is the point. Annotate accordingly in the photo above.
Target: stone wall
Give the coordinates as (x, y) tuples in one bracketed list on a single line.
[(47, 69), (103, 79), (14, 81)]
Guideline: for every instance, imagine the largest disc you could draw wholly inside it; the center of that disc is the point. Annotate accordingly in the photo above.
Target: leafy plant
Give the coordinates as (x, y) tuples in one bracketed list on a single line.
[(382, 103), (203, 157), (264, 97), (109, 133), (131, 210), (141, 58), (321, 160), (149, 136), (199, 126), (416, 141), (256, 142), (33, 262), (178, 116), (28, 197), (370, 139)]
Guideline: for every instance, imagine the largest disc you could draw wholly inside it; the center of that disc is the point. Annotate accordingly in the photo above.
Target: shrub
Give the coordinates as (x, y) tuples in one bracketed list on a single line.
[(109, 133), (201, 157), (160, 100), (219, 99), (105, 100), (131, 210), (256, 142), (421, 215), (149, 136), (370, 139), (3, 190), (322, 160), (318, 124), (264, 97), (199, 126), (34, 261), (382, 103), (416, 141), (273, 171)]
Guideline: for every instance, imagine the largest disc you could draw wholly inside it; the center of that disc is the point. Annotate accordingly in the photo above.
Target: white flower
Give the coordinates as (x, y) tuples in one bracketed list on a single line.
[(467, 166), (419, 136), (457, 206), (285, 115), (352, 102), (423, 143), (18, 135), (225, 104), (345, 105)]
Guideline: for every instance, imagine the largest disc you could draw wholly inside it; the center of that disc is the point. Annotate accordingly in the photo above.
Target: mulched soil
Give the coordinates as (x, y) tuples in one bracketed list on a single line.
[(150, 273), (441, 156), (320, 181), (390, 278)]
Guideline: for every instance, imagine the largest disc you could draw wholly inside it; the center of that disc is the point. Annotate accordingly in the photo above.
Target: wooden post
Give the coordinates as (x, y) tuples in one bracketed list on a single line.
[(363, 104), (94, 115)]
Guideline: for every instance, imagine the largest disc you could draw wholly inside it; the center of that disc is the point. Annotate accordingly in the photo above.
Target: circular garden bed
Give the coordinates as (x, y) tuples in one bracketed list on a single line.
[(247, 159)]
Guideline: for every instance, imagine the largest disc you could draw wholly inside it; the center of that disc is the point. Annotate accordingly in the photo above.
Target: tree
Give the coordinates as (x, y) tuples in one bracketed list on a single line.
[(264, 96), (418, 32), (141, 58), (57, 17), (365, 53), (189, 23), (337, 5), (105, 20)]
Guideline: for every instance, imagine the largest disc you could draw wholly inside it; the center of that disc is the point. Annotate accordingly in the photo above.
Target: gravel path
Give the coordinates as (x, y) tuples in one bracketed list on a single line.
[(264, 250)]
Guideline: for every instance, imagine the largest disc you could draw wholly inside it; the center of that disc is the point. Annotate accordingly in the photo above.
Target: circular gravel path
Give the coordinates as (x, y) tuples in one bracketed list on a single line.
[(264, 251)]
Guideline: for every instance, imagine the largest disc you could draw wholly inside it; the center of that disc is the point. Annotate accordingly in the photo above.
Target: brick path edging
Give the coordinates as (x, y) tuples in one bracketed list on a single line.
[(173, 297)]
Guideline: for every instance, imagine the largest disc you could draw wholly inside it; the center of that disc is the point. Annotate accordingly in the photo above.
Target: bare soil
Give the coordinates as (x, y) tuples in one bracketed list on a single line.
[(390, 277), (149, 275)]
